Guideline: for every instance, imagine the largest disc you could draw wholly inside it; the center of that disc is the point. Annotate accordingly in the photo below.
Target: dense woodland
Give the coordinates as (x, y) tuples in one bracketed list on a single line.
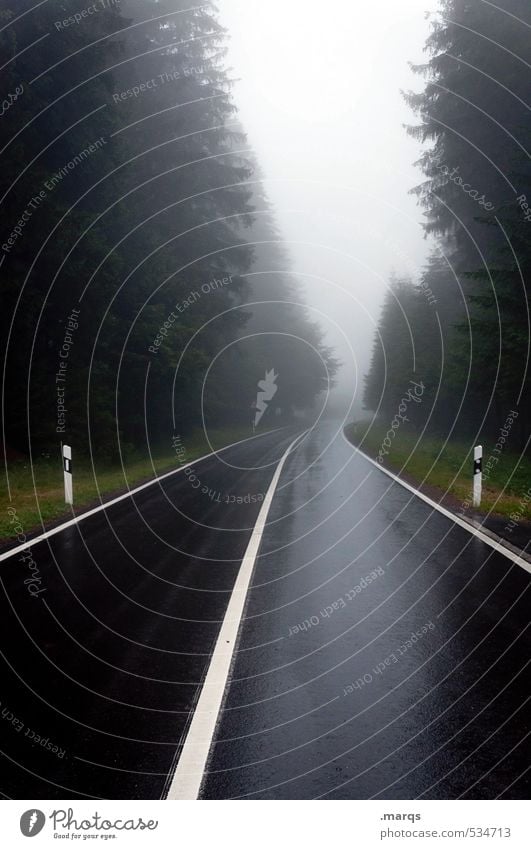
[(131, 203), (463, 326)]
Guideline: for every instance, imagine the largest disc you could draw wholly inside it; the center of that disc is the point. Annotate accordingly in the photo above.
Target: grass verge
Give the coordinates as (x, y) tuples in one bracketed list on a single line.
[(37, 490), (504, 492)]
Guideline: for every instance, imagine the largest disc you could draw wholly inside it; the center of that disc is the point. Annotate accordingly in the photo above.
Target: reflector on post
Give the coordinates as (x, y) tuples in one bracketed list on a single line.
[(478, 456), (67, 469)]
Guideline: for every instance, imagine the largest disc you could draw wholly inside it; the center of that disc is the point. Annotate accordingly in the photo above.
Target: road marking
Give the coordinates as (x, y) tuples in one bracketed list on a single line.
[(34, 540), (496, 543), (186, 782)]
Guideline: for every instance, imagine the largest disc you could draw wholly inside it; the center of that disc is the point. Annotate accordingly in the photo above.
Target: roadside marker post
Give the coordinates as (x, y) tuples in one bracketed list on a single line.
[(67, 470), (478, 456)]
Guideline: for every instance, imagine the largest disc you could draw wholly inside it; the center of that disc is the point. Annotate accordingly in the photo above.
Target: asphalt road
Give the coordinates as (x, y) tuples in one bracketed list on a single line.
[(383, 651)]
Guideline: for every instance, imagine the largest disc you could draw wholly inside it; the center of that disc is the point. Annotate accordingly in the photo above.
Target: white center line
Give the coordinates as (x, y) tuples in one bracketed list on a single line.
[(105, 504), (190, 770)]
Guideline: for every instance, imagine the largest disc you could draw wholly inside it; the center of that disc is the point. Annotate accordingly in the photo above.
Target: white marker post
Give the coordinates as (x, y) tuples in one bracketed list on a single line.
[(67, 469), (478, 456)]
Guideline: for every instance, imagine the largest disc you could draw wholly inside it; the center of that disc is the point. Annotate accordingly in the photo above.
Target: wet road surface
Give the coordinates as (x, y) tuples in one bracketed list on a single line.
[(383, 652)]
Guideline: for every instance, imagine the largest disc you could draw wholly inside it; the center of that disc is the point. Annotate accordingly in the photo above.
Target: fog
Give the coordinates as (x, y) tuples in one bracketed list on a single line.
[(319, 94)]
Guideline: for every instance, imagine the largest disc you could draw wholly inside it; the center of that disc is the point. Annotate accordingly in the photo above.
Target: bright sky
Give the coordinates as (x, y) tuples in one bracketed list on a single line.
[(319, 96)]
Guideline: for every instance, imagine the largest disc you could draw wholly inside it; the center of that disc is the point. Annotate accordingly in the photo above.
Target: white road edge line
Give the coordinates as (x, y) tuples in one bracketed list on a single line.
[(34, 540), (495, 544), (188, 776)]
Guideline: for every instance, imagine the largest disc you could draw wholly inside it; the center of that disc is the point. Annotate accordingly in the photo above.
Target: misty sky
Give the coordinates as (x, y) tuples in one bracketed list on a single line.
[(319, 96)]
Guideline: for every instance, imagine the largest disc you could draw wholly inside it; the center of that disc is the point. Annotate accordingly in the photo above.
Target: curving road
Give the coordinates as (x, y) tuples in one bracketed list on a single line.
[(383, 651)]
